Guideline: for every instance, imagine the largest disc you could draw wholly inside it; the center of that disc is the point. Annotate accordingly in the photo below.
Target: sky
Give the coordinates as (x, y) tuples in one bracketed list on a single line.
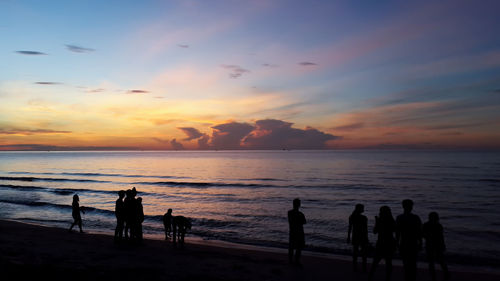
[(261, 74)]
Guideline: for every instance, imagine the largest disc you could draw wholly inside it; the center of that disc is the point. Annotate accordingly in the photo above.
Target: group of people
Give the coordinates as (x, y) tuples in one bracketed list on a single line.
[(405, 233), (175, 227), (129, 216)]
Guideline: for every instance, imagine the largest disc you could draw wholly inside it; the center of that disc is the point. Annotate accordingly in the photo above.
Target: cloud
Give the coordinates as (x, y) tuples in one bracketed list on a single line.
[(31, 53), (307, 63), (40, 147), (137, 92), (185, 46), (47, 83), (235, 71), (176, 145), (349, 127), (95, 90), (203, 142), (269, 65), (192, 133), (277, 134), (230, 135), (17, 131), (79, 49)]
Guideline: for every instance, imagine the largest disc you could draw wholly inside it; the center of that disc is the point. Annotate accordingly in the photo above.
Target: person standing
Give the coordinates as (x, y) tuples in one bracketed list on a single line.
[(167, 223), (385, 226), (296, 221), (76, 209), (435, 247), (358, 226), (120, 216), (409, 238)]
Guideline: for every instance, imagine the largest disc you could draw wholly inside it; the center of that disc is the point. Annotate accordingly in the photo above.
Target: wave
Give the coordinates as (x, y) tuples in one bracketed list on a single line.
[(50, 179), (67, 191), (98, 175)]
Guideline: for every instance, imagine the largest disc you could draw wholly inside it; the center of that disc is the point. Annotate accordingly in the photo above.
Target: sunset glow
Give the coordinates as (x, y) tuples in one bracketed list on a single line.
[(261, 74)]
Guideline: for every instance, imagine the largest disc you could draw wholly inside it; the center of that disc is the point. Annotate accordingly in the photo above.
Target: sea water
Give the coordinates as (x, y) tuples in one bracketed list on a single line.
[(243, 196)]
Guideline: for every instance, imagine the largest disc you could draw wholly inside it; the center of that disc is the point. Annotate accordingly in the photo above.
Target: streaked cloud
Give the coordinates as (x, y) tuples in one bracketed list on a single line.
[(31, 53), (192, 133), (137, 92), (27, 132), (184, 46), (47, 83), (78, 49), (307, 63)]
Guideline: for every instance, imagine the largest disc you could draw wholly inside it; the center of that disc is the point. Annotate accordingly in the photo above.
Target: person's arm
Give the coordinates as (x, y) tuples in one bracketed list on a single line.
[(375, 228), (419, 233), (398, 232)]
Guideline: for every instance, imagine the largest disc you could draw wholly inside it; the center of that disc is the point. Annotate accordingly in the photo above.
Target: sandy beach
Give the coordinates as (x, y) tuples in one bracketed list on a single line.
[(31, 252)]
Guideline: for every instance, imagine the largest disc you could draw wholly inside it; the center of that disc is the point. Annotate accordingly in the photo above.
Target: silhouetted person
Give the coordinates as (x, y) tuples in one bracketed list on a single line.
[(120, 215), (128, 206), (358, 226), (167, 223), (180, 225), (434, 245), (385, 226), (140, 218), (296, 221), (76, 209), (409, 237)]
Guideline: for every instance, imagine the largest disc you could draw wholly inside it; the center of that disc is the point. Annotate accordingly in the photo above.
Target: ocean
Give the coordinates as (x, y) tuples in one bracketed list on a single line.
[(243, 196)]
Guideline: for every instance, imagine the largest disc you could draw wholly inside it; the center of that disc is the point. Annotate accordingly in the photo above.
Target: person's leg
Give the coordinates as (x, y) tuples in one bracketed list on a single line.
[(298, 253), (80, 224), (388, 268), (363, 256), (444, 267), (355, 252), (376, 260)]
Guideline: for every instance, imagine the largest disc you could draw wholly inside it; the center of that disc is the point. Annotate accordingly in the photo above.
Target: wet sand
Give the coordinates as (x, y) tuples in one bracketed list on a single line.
[(30, 252)]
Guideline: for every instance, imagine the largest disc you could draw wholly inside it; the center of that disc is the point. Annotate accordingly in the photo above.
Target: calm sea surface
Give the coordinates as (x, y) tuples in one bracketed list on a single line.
[(243, 196)]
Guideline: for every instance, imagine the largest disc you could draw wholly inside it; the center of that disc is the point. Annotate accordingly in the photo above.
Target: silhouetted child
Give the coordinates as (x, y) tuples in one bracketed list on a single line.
[(180, 225), (409, 237), (434, 245), (167, 223), (358, 226), (140, 218), (76, 209), (385, 226), (120, 215), (296, 221)]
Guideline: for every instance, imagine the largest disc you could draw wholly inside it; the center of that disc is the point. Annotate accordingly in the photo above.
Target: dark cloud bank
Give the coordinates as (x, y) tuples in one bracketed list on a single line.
[(264, 134)]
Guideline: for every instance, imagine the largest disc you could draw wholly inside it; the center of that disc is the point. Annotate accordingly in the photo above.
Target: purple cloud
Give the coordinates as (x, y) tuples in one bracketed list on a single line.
[(307, 63), (277, 134), (185, 46), (230, 135), (235, 71), (192, 133), (350, 127), (176, 145), (47, 83)]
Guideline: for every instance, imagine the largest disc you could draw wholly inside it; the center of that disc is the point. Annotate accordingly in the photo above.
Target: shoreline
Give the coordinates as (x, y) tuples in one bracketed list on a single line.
[(30, 248), (197, 240)]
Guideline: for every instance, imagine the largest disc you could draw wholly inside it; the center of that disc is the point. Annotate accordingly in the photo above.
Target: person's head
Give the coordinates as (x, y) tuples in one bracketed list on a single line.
[(360, 208), (129, 193), (433, 217), (385, 212), (76, 198), (407, 205), (121, 194), (134, 191), (139, 199), (169, 211), (296, 203)]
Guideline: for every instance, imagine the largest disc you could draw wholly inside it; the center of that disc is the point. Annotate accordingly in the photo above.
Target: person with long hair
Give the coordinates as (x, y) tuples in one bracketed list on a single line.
[(358, 227), (385, 226), (76, 209)]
